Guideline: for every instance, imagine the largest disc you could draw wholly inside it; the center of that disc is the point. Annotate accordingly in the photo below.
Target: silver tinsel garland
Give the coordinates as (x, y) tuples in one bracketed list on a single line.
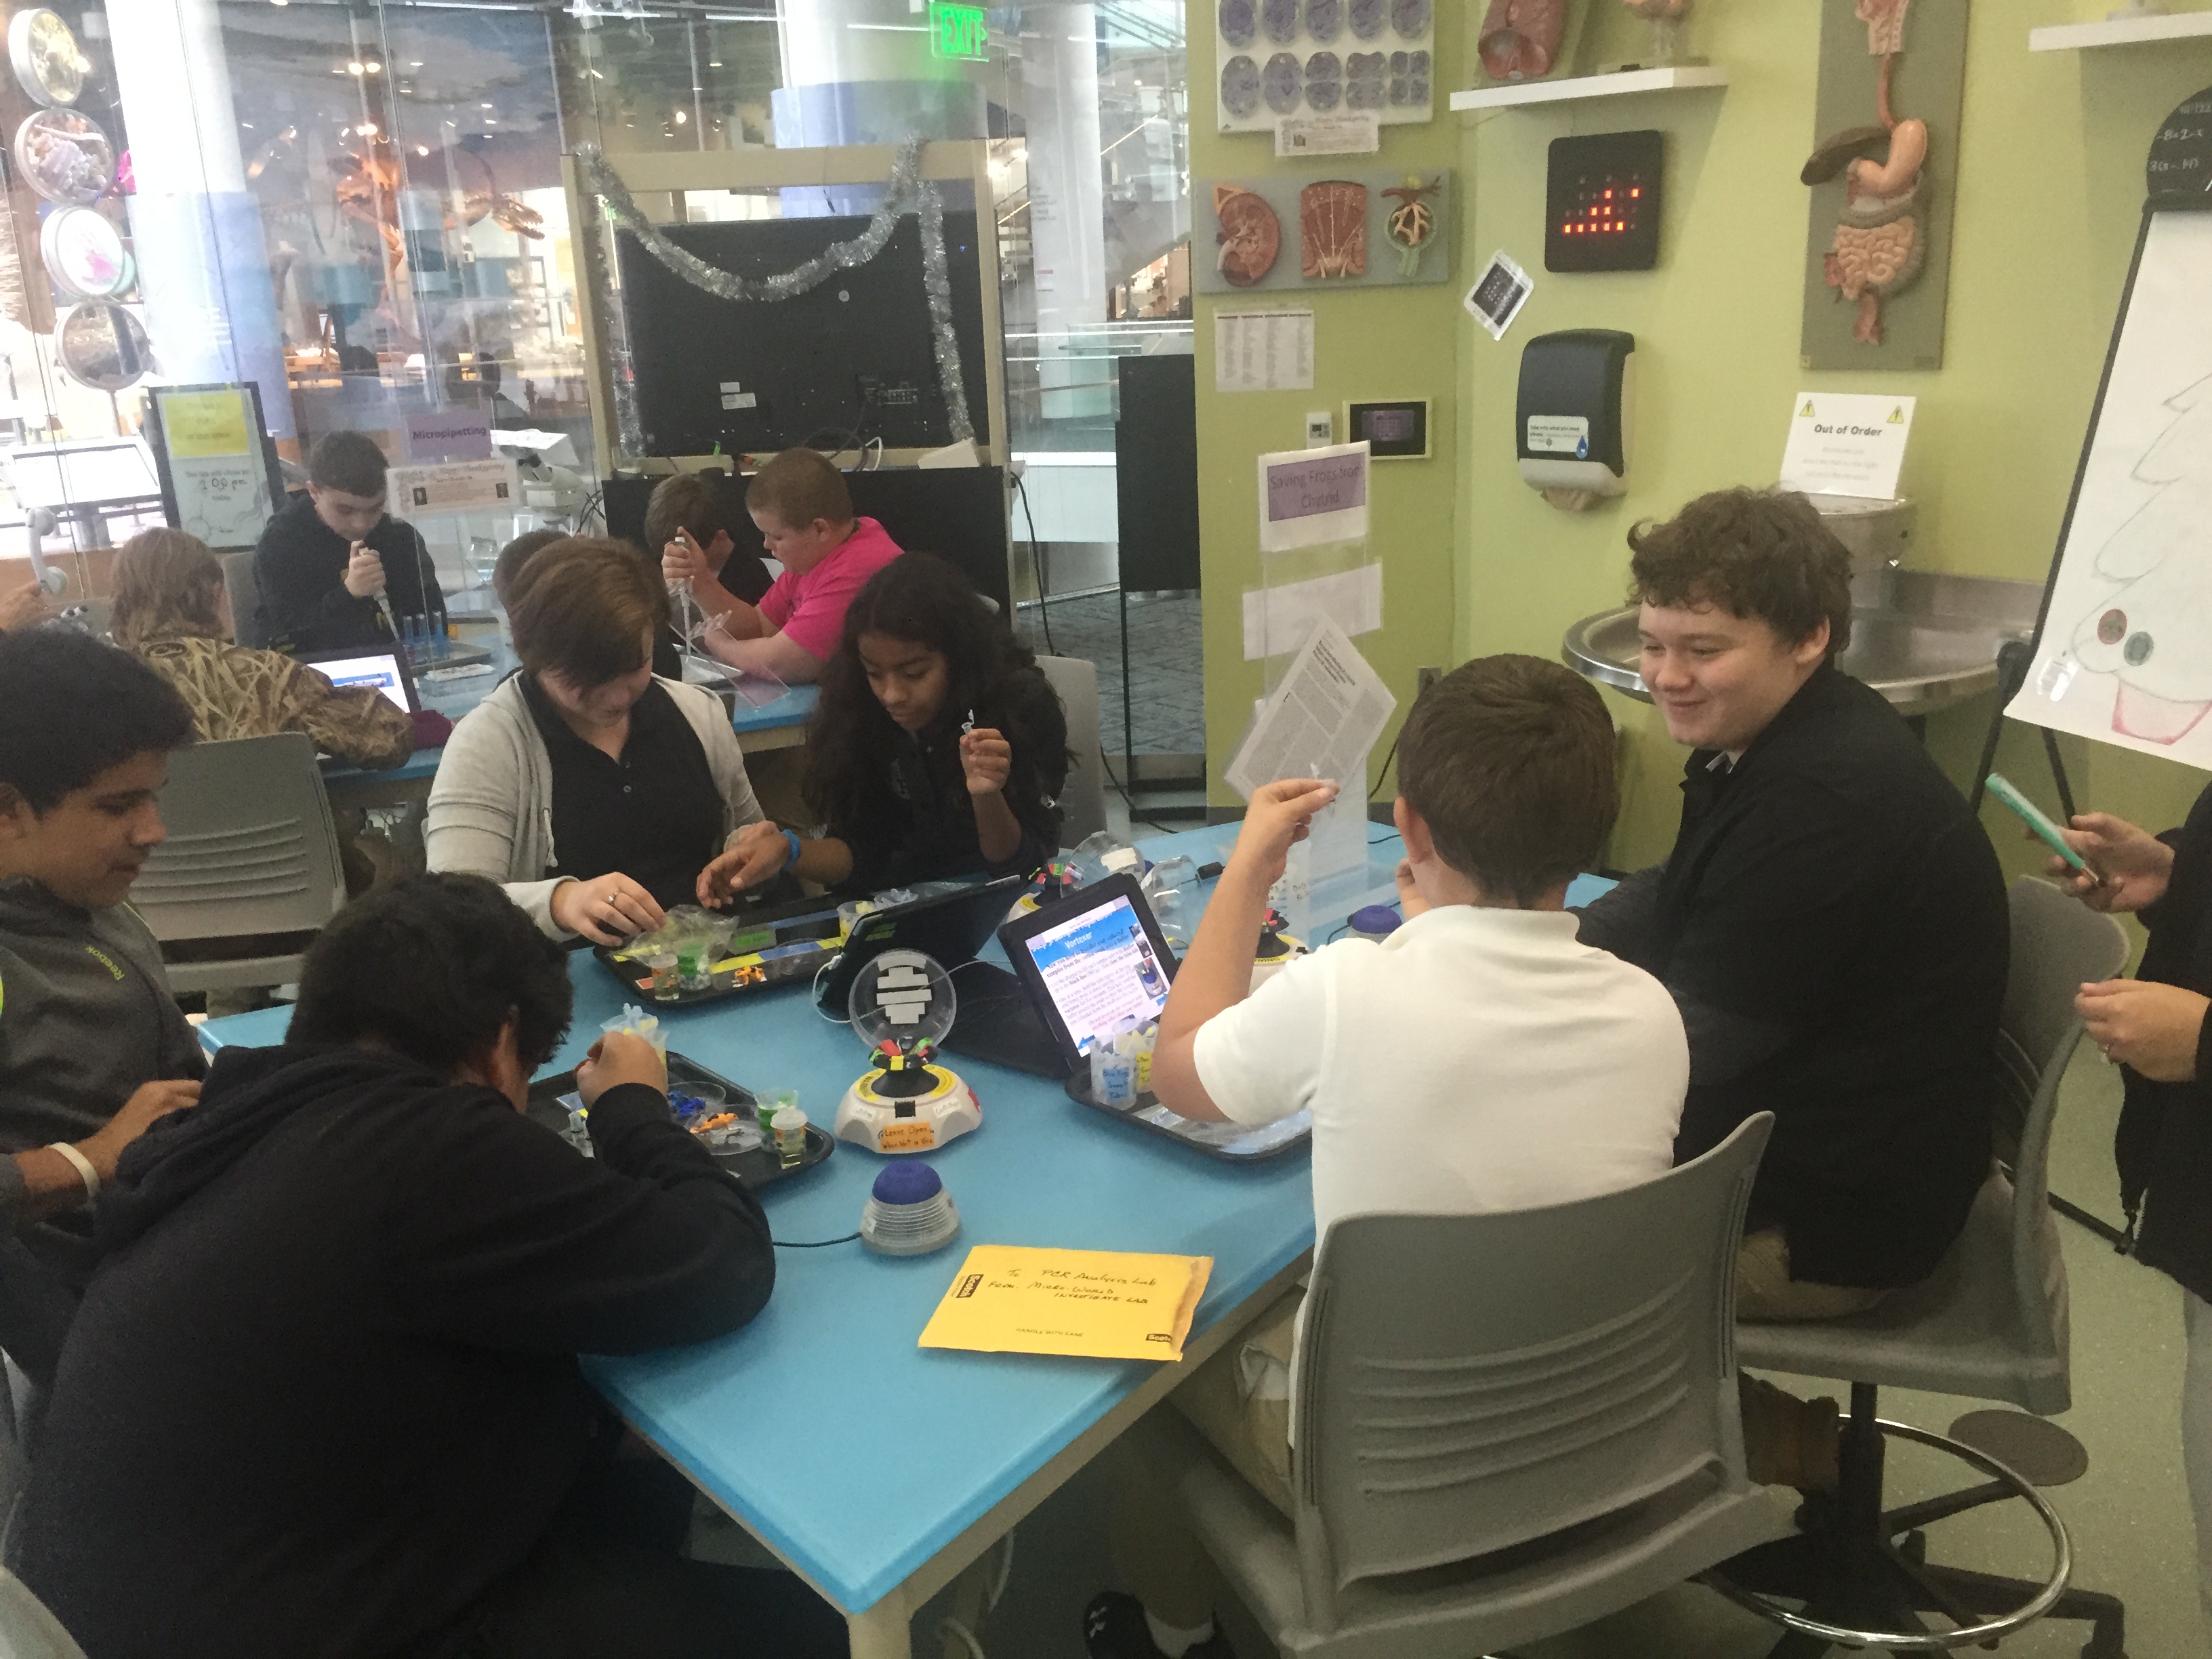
[(907, 193)]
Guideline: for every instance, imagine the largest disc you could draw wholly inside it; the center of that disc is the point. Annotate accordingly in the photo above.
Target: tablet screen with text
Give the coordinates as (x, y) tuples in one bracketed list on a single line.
[(1099, 968)]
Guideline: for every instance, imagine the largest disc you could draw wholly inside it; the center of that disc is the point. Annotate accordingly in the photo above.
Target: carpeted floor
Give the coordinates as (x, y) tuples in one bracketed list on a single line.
[(1166, 665)]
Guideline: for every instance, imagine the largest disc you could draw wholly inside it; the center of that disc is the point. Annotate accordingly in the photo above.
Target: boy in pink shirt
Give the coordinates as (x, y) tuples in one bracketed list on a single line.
[(805, 514)]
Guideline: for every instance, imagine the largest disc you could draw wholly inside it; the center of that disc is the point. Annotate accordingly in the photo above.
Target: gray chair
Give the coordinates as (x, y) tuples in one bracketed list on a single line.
[(1083, 797), (27, 1631), (243, 585), (1990, 1324), (252, 854), (1507, 1425)]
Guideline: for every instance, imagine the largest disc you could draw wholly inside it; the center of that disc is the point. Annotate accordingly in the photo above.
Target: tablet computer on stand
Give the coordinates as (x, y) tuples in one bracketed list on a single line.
[(1089, 962)]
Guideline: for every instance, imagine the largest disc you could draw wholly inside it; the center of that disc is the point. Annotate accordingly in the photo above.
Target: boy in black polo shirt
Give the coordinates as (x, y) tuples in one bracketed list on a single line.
[(1831, 921), (334, 568)]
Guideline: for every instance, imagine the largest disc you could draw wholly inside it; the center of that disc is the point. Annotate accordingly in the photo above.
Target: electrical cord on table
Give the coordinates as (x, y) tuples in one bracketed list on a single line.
[(812, 1243), (1388, 754)]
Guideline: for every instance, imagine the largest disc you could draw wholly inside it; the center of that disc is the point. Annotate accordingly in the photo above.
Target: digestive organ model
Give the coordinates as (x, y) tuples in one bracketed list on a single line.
[(1880, 245)]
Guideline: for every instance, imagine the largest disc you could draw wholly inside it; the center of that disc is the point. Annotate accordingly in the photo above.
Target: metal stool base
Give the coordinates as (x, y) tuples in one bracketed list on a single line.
[(1861, 1574)]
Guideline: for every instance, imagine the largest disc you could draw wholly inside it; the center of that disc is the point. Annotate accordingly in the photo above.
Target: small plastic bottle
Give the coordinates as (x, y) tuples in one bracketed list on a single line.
[(790, 1134), (1147, 1041), (1114, 1068), (692, 967)]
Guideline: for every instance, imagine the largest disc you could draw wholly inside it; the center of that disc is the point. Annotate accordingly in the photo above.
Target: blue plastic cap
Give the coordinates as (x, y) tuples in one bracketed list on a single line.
[(906, 1183), (1375, 919)]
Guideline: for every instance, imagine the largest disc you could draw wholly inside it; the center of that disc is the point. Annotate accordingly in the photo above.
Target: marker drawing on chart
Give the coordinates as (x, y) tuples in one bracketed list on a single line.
[(2150, 631)]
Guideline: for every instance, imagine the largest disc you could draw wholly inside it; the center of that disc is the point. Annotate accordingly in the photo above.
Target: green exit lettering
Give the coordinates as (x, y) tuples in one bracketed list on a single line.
[(957, 31)]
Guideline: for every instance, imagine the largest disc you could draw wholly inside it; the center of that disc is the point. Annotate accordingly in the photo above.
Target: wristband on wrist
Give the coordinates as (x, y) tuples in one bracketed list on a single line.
[(84, 1168), (792, 837)]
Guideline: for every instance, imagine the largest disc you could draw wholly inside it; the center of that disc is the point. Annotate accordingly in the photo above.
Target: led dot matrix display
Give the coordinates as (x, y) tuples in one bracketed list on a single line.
[(1602, 202)]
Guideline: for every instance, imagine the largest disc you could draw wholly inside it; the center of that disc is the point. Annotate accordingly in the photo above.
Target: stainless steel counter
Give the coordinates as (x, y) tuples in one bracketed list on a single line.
[(1930, 641)]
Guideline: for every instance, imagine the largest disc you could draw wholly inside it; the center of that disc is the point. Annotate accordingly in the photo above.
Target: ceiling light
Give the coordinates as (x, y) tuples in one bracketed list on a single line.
[(356, 67), (681, 118), (421, 149), (376, 69), (366, 129)]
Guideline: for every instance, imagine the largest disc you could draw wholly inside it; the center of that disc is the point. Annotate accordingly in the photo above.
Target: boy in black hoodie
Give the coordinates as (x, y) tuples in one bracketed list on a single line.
[(323, 1395)]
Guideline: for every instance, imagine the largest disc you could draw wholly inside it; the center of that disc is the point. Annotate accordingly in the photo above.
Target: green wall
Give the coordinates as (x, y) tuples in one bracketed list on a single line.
[(2049, 198), (1372, 343)]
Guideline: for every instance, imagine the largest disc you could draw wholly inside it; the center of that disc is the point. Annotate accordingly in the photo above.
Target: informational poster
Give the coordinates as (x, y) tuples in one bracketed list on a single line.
[(2121, 655), (1263, 351), (216, 470), (1845, 444), (457, 487)]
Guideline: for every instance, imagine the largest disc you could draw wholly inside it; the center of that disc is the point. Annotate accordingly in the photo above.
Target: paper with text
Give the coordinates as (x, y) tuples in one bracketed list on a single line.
[(1275, 617), (1263, 351), (1323, 719), (1098, 1305)]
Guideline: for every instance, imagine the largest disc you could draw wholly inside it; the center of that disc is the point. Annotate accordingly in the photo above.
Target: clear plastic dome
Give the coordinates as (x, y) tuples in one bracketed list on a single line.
[(903, 997)]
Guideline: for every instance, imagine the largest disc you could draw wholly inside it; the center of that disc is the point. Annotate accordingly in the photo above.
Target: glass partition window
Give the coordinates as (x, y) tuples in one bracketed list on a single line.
[(360, 209)]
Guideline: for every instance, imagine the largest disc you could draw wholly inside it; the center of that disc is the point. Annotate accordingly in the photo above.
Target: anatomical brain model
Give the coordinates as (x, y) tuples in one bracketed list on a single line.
[(1879, 244)]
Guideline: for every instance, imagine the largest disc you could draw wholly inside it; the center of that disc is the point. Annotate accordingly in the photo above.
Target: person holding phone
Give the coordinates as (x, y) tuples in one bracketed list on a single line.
[(2153, 1027), (939, 749), (334, 568)]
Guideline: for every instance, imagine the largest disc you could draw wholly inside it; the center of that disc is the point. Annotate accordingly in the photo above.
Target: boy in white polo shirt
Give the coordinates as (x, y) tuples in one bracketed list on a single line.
[(1480, 1059)]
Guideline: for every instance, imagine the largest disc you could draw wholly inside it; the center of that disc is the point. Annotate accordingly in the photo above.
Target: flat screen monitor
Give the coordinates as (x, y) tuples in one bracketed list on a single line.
[(853, 355)]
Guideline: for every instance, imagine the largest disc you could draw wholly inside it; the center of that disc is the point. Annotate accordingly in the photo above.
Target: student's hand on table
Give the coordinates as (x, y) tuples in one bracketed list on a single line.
[(2135, 865), (24, 607), (364, 572), (1277, 818), (2152, 1027), (986, 757), (682, 560), (760, 851), (605, 910), (1410, 902), (148, 1102), (618, 1058)]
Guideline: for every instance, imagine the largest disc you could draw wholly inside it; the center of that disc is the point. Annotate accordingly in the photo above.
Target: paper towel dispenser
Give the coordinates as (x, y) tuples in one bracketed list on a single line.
[(1575, 417)]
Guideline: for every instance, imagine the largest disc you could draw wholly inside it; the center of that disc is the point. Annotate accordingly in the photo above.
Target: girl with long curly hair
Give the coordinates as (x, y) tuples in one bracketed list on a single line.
[(939, 749)]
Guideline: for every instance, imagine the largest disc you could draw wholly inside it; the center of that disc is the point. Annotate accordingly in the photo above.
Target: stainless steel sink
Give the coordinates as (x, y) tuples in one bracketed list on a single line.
[(1936, 644)]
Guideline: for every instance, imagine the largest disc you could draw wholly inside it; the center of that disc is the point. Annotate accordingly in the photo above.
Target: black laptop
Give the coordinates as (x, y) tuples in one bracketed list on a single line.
[(949, 927)]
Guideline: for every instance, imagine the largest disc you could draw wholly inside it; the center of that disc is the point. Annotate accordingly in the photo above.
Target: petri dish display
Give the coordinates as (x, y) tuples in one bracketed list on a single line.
[(84, 254), (65, 156), (1282, 81), (1280, 19), (1324, 81), (103, 346), (48, 65), (1324, 20), (1240, 21)]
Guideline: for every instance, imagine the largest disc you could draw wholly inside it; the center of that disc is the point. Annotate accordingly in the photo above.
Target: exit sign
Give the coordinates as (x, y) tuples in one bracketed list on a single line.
[(957, 31)]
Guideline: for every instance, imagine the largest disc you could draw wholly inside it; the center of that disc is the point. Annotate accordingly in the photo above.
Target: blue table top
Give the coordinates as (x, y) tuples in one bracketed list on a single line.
[(852, 1452), (454, 698)]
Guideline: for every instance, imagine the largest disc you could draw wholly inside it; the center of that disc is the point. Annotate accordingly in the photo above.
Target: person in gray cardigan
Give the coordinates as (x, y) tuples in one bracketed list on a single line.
[(591, 790)]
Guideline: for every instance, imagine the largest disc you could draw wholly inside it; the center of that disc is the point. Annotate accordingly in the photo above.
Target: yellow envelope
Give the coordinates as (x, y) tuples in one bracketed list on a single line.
[(1098, 1305)]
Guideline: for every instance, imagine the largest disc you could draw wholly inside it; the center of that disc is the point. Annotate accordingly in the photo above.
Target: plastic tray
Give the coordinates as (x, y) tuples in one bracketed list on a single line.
[(756, 1168), (1231, 1142), (793, 963)]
